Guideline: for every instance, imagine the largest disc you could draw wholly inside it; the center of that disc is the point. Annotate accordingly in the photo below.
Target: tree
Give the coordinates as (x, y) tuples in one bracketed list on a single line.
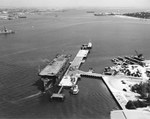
[(143, 89)]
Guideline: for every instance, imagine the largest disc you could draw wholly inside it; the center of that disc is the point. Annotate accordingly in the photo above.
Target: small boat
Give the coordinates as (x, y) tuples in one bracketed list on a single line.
[(74, 90), (22, 16), (6, 31), (86, 46), (91, 70), (89, 45)]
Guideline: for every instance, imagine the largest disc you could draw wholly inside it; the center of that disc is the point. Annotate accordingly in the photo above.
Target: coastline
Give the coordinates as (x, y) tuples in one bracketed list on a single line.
[(113, 83), (118, 95), (128, 17)]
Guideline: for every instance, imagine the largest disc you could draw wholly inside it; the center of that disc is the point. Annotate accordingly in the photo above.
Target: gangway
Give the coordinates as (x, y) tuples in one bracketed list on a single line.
[(58, 95), (91, 74)]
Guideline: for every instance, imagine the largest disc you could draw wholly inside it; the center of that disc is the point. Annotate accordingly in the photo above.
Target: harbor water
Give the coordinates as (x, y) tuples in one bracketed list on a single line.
[(39, 38)]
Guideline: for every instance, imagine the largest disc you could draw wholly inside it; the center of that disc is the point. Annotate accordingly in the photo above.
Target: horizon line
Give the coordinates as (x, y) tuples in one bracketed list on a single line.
[(73, 7)]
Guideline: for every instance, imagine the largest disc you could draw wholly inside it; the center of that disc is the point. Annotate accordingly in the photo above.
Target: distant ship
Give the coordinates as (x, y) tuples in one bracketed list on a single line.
[(103, 14), (98, 14), (22, 16), (53, 72), (6, 31), (90, 12)]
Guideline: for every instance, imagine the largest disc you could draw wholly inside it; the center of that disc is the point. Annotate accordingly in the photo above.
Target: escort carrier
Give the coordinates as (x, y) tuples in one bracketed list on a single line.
[(53, 72)]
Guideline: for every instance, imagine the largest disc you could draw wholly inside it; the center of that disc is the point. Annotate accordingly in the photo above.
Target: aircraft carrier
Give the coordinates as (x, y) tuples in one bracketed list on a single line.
[(53, 72)]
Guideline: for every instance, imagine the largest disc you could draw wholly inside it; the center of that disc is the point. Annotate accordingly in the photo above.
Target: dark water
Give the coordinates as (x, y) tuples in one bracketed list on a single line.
[(41, 37)]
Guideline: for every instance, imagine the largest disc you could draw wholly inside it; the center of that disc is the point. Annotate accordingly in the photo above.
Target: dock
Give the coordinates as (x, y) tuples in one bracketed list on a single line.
[(72, 74)]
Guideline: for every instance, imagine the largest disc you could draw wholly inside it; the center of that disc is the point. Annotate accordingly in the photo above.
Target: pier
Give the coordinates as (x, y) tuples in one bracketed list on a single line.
[(73, 74)]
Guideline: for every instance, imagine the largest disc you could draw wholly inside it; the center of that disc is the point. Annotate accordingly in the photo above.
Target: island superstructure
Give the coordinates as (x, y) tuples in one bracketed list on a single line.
[(54, 71)]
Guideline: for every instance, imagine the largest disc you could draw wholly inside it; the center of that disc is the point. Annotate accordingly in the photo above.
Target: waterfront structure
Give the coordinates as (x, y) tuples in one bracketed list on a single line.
[(71, 76)]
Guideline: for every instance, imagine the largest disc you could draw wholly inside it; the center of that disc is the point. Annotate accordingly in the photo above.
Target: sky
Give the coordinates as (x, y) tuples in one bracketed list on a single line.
[(76, 3)]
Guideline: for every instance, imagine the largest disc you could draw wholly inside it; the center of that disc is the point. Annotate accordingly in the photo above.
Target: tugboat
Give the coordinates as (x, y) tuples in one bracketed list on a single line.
[(86, 46), (74, 90), (6, 31)]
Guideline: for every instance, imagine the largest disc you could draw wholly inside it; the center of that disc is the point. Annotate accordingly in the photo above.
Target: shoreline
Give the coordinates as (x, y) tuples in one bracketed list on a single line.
[(119, 97), (130, 17), (122, 98), (121, 91)]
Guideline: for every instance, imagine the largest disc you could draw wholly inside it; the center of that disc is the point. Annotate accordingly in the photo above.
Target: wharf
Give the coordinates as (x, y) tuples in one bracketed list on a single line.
[(72, 74)]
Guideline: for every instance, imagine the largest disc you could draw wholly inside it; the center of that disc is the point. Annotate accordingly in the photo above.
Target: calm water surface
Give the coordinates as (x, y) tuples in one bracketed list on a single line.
[(41, 37)]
